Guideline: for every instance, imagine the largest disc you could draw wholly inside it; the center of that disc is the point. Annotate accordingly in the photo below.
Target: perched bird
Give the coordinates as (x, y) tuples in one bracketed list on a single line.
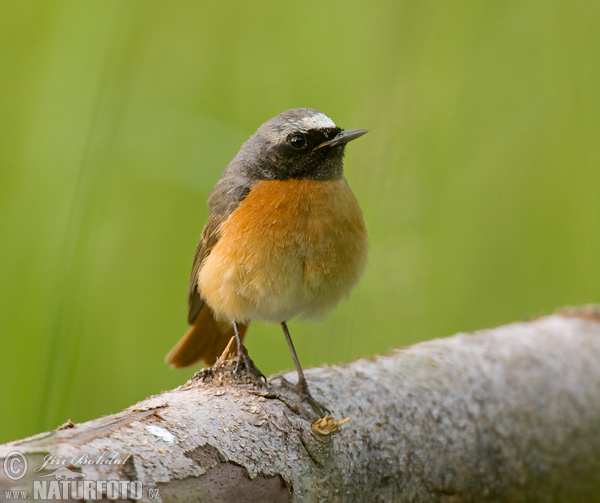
[(285, 237)]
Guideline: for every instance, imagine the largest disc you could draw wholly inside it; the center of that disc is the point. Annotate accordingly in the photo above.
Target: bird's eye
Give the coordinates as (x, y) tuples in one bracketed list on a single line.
[(297, 141)]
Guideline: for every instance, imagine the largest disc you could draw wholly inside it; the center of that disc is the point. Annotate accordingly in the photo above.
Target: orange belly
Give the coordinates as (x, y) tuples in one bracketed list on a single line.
[(293, 247)]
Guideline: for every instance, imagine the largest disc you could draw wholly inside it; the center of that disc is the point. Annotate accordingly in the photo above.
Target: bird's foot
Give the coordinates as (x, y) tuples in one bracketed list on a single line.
[(301, 388), (245, 363), (319, 408)]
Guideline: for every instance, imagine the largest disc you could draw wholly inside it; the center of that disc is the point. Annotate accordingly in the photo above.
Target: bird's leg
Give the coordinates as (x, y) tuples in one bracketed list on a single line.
[(302, 386), (245, 357)]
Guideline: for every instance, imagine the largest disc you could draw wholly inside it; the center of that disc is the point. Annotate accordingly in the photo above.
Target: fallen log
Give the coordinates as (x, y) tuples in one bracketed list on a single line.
[(507, 414)]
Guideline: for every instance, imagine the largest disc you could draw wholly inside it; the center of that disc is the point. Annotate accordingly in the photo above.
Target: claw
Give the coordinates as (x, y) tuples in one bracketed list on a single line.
[(245, 362), (319, 409)]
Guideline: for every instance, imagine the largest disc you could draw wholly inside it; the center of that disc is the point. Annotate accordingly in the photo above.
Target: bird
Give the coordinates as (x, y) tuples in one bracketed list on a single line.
[(285, 238)]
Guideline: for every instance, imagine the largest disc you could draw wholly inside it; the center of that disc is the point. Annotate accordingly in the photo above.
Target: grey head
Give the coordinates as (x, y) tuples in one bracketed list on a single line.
[(298, 143)]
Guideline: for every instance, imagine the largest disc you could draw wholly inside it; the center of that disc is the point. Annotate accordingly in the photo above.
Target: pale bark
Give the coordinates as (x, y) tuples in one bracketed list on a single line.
[(509, 414)]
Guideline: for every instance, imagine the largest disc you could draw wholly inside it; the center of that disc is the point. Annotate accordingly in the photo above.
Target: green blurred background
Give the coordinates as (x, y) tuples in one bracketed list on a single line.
[(479, 181)]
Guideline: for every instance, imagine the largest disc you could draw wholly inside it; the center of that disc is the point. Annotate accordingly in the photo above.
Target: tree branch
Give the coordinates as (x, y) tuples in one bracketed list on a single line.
[(509, 414)]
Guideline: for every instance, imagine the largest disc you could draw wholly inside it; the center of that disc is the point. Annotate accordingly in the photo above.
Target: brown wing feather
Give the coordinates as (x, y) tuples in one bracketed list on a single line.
[(206, 338), (227, 194), (209, 238)]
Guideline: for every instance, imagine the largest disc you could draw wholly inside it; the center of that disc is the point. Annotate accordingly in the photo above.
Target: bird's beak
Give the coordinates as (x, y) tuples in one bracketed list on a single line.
[(343, 137)]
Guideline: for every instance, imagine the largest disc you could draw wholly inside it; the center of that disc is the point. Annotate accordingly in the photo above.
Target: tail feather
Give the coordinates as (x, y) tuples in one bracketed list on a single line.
[(205, 341)]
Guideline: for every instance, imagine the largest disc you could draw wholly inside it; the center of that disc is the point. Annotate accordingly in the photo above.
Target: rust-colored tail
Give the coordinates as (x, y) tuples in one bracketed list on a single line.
[(204, 341)]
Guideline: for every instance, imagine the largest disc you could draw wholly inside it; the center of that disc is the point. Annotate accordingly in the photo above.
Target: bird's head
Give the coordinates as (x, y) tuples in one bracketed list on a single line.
[(298, 143)]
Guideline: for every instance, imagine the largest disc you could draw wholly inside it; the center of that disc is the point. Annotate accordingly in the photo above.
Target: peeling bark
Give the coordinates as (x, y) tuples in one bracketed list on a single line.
[(508, 414)]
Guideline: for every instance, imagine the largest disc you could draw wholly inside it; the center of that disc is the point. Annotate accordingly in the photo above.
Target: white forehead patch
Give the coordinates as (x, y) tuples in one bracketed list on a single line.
[(278, 128), (317, 121)]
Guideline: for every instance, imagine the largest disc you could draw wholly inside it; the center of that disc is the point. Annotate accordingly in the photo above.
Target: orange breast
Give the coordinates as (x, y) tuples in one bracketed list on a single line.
[(293, 247)]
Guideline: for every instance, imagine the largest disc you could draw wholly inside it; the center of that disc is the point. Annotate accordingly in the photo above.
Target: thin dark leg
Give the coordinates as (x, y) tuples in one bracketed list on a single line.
[(302, 384), (244, 357), (238, 339)]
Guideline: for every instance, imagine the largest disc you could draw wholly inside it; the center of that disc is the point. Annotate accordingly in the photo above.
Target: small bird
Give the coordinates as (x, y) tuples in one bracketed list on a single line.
[(285, 237)]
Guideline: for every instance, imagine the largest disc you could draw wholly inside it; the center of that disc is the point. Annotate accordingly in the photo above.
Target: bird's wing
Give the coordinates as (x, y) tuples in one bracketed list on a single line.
[(225, 197), (210, 236)]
